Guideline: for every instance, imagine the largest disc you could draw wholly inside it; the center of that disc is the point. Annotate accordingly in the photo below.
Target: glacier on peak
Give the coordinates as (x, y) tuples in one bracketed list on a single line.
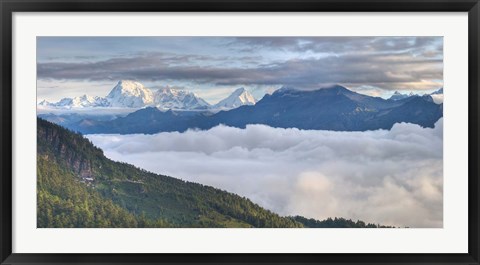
[(238, 98), (172, 98), (130, 94)]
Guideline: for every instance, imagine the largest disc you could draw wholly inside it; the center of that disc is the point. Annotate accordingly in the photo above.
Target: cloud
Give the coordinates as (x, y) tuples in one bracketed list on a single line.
[(425, 46), (390, 177), (389, 63), (437, 98), (389, 72)]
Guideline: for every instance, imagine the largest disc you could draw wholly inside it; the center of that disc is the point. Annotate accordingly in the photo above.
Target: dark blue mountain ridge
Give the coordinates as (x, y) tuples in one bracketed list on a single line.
[(148, 120), (331, 108)]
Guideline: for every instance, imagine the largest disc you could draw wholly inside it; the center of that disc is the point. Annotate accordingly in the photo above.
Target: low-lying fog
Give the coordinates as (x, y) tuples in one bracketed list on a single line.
[(389, 177)]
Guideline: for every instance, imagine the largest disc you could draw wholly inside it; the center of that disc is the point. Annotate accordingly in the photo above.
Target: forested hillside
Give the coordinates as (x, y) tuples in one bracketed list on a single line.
[(79, 187)]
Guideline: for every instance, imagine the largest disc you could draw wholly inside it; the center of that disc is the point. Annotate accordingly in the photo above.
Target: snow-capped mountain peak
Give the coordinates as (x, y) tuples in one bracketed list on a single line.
[(172, 98), (130, 94), (170, 92), (85, 99), (238, 98), (129, 86)]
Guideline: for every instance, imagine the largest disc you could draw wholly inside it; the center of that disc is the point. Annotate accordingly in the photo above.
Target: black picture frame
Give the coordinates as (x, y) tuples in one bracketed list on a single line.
[(8, 7)]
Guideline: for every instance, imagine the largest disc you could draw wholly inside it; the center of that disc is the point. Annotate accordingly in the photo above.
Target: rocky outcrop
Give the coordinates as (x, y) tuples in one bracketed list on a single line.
[(75, 160)]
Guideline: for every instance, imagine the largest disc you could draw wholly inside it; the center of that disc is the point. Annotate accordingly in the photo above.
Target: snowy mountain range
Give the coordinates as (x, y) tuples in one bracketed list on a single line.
[(132, 94), (77, 102), (333, 108), (437, 96)]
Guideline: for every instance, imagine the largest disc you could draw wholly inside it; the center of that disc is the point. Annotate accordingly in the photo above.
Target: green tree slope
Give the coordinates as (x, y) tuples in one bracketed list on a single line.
[(79, 187)]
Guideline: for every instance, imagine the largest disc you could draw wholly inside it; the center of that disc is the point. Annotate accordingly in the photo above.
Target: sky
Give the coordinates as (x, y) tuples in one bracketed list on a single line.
[(213, 67), (391, 177)]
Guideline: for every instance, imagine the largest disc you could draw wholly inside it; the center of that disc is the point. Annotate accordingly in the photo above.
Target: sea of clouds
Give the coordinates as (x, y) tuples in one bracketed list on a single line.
[(389, 177)]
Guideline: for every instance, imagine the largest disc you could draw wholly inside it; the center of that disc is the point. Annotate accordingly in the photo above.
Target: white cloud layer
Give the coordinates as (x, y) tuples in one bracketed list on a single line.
[(389, 177)]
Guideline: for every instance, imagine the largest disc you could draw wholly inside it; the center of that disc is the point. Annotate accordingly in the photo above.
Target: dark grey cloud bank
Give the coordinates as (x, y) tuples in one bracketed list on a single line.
[(398, 70), (388, 63), (391, 177)]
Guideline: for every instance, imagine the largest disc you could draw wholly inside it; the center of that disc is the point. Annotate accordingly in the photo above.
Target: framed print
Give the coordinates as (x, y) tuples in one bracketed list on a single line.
[(239, 132)]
